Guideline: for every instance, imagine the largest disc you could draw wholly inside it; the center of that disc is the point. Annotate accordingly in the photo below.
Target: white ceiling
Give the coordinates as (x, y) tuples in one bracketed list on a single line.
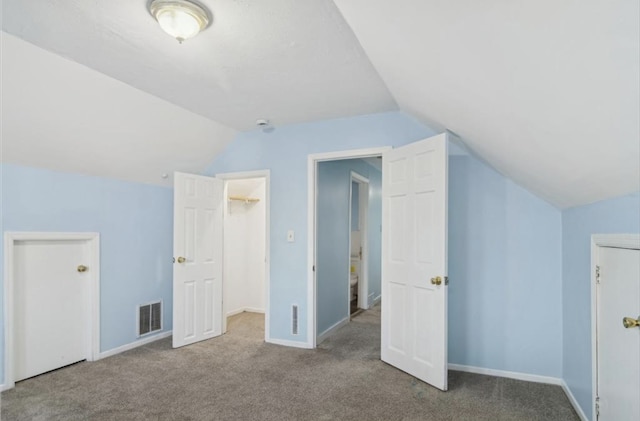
[(285, 60), (73, 119), (546, 91)]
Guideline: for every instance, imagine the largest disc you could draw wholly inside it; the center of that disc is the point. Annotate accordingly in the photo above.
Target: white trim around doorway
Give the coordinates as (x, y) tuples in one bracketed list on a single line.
[(93, 327), (312, 164)]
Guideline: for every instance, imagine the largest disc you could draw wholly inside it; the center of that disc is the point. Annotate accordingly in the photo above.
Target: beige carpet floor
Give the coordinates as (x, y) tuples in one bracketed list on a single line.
[(239, 377)]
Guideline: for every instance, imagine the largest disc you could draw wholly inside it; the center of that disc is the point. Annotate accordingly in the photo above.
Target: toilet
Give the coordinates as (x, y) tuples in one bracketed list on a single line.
[(353, 280), (353, 283)]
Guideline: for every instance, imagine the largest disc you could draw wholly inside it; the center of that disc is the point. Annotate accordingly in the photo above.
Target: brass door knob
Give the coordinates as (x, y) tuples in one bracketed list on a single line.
[(436, 281), (629, 322), (181, 259), (82, 268)]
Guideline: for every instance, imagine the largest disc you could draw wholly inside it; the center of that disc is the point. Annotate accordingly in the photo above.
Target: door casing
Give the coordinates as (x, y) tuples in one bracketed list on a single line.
[(92, 240)]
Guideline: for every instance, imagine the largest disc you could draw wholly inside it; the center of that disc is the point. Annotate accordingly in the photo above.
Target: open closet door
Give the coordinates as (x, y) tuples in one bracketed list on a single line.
[(197, 269), (414, 257)]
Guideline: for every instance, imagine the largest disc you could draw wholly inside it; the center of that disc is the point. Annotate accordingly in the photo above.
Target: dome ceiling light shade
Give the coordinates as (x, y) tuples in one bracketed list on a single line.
[(181, 19)]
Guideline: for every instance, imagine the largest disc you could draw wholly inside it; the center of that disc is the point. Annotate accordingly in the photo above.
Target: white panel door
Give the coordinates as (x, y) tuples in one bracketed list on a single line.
[(414, 259), (197, 270), (51, 306), (618, 354)]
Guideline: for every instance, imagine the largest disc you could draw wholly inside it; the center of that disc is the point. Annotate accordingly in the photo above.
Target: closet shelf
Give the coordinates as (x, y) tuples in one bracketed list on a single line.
[(244, 199)]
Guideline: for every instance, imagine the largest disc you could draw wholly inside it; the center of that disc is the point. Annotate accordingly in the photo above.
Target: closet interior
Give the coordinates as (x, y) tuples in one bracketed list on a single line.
[(244, 246)]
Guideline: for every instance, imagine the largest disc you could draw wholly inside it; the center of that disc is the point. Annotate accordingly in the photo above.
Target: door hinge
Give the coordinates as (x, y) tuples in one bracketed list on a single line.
[(313, 269), (597, 407), (446, 280), (597, 274)]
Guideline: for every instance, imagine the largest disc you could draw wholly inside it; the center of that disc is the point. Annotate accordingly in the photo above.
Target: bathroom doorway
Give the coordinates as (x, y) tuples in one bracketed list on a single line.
[(358, 236)]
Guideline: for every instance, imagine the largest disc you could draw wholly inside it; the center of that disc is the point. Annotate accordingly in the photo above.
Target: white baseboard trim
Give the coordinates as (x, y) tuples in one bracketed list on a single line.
[(526, 377), (376, 301), (234, 312), (3, 387), (133, 345), (508, 374), (245, 309), (254, 310), (573, 401), (285, 342), (331, 330)]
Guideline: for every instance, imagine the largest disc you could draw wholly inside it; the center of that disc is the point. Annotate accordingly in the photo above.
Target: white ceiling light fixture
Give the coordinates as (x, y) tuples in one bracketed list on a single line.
[(181, 19)]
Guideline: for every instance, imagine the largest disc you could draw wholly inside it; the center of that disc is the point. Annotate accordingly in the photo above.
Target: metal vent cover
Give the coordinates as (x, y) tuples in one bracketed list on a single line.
[(149, 318), (156, 317), (294, 319)]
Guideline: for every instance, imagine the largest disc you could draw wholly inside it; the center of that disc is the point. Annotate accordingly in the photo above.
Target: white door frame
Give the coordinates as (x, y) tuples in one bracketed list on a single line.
[(93, 327), (625, 241), (266, 174), (363, 219), (312, 184)]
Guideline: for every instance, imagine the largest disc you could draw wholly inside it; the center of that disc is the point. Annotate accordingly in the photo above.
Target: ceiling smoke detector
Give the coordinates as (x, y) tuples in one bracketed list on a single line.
[(265, 125), (181, 19)]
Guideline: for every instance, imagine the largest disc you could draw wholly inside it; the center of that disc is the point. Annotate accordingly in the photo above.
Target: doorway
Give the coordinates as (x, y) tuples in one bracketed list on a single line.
[(358, 240), (200, 203), (414, 280), (348, 208), (245, 248), (617, 327), (51, 301)]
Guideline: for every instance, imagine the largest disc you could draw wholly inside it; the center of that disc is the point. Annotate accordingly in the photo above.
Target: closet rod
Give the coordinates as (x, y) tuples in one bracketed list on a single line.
[(244, 199)]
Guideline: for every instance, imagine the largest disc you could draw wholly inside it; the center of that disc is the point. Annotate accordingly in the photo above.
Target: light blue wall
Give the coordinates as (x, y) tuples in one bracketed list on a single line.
[(504, 250), (505, 291), (333, 262), (620, 215), (505, 243), (135, 222), (285, 151)]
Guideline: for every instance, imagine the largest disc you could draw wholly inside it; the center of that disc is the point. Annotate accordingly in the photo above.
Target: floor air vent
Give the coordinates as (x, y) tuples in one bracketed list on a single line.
[(149, 318), (294, 319)]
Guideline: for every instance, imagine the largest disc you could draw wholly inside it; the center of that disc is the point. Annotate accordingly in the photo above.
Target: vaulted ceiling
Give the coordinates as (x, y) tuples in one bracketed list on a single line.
[(285, 60), (545, 91)]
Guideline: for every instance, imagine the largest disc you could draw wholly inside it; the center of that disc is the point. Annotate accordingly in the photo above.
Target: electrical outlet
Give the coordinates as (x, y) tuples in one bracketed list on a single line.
[(291, 236)]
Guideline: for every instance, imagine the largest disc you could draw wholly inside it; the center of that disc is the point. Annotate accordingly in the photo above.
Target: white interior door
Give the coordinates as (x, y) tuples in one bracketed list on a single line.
[(51, 306), (618, 355), (197, 270), (414, 257)]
